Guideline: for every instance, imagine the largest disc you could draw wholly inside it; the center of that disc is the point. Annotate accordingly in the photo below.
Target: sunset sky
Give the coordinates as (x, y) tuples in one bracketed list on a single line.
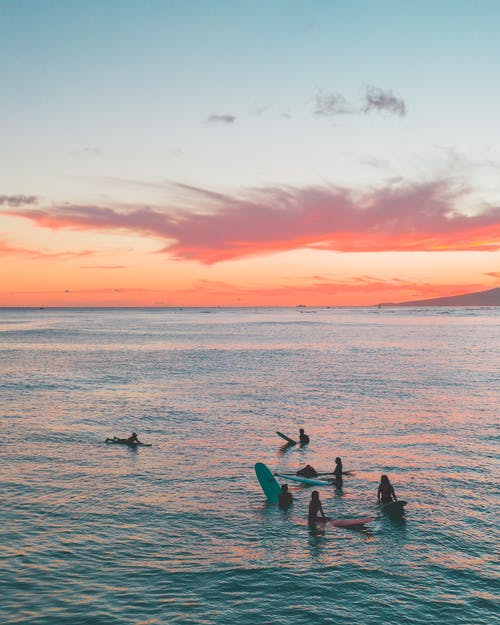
[(241, 153)]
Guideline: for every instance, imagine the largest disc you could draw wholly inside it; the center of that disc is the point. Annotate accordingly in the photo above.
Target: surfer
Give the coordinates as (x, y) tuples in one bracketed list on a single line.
[(304, 439), (338, 469), (315, 507), (307, 471), (131, 440), (385, 493), (285, 497)]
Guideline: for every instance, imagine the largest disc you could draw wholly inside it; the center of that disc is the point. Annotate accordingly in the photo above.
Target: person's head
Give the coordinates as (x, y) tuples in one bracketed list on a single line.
[(315, 495), (384, 479), (134, 435), (284, 488), (301, 431), (337, 460)]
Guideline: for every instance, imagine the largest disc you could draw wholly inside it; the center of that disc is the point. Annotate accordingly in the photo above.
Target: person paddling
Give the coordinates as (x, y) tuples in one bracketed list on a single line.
[(285, 497), (304, 439), (131, 440), (385, 493), (315, 508)]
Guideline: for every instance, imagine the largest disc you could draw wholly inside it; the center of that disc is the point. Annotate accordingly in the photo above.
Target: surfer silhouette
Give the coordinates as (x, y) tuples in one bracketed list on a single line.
[(304, 439), (307, 471), (385, 493), (285, 498), (131, 440), (338, 469), (315, 507)]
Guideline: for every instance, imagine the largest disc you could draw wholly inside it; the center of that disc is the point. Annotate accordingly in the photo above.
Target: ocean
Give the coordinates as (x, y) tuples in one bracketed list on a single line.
[(181, 532)]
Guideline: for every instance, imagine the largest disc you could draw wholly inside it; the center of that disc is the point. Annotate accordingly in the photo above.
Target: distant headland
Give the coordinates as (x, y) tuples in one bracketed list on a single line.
[(481, 298)]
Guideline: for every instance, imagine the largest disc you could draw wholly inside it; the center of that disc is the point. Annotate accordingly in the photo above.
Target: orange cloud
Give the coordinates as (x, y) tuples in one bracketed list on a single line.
[(10, 250), (316, 291), (212, 227)]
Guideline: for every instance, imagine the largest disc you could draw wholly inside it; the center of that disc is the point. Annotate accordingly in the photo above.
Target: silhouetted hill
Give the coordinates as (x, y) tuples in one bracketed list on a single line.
[(481, 298)]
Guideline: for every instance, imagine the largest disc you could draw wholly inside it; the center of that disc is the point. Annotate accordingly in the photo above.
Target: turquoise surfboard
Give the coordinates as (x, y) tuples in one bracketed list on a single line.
[(305, 480), (268, 482)]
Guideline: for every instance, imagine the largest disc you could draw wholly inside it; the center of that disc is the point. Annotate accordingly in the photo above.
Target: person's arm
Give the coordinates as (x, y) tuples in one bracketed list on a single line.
[(393, 494), (321, 510)]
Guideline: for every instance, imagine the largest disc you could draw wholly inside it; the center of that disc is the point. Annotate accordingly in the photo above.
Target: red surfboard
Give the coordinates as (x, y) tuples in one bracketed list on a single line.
[(346, 522)]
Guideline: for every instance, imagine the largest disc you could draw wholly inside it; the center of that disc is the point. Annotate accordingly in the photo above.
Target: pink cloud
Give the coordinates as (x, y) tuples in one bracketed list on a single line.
[(212, 227)]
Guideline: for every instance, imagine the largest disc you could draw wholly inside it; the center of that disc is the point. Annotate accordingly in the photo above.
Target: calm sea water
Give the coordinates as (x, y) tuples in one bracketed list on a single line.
[(181, 532)]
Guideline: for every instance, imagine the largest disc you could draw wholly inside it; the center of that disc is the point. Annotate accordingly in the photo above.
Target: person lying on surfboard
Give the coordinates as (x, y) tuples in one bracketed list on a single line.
[(285, 498), (131, 440), (307, 471), (303, 438), (385, 493), (315, 508)]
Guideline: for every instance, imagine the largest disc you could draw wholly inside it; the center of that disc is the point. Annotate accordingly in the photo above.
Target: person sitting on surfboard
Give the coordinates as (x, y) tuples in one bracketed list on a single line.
[(307, 471), (285, 498), (315, 507), (131, 440), (304, 439), (385, 493)]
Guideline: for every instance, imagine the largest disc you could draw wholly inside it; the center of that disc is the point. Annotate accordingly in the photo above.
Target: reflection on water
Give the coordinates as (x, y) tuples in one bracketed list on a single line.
[(181, 531)]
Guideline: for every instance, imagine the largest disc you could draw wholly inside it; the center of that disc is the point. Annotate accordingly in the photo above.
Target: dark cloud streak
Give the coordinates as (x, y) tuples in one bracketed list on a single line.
[(18, 200), (221, 119)]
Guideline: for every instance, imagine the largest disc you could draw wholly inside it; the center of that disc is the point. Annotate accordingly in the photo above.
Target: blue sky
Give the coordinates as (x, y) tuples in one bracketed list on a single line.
[(125, 88)]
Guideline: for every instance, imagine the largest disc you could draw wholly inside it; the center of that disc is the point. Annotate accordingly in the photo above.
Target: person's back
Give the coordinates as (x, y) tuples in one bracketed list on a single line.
[(285, 498), (307, 471), (385, 493), (304, 439), (315, 507)]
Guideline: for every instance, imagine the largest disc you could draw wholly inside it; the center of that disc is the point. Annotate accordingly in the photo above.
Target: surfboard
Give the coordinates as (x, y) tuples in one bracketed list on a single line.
[(289, 440), (394, 507), (332, 473), (268, 482), (346, 522), (312, 481), (110, 442)]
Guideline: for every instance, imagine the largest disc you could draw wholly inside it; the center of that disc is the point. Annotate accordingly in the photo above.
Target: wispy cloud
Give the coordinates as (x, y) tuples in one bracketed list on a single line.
[(329, 104), (17, 200), (318, 291), (493, 274), (11, 250), (211, 227), (384, 101), (260, 110), (375, 99), (91, 152), (105, 290), (103, 267), (221, 119)]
